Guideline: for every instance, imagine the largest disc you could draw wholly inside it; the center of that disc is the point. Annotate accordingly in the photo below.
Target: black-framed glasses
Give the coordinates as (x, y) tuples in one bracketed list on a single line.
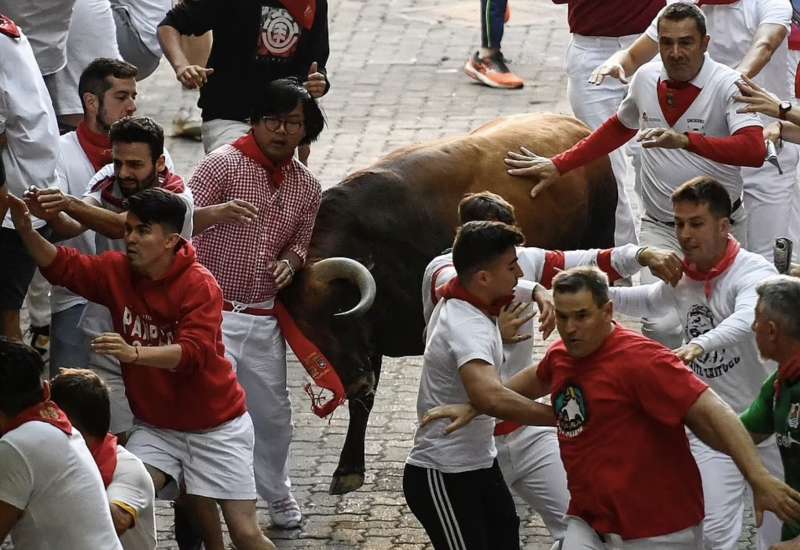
[(274, 123)]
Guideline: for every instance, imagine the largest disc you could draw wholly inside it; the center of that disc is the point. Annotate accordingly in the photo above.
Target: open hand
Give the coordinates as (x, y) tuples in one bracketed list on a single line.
[(529, 164), (611, 69), (461, 415), (770, 493), (511, 318), (756, 99), (111, 343)]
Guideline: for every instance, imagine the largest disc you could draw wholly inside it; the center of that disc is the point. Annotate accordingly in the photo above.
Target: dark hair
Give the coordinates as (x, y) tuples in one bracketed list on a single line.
[(577, 279), (485, 206), (680, 11), (156, 205), (139, 129), (280, 97), (705, 189), (21, 369), (83, 396), (94, 78), (779, 298), (479, 243)]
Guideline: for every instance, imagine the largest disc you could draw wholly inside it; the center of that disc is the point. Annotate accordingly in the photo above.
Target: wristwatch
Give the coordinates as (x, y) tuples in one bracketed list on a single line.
[(783, 108)]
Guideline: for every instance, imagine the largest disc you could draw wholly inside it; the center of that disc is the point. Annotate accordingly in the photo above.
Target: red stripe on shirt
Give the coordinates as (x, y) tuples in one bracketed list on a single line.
[(745, 147), (607, 138), (554, 261), (604, 263)]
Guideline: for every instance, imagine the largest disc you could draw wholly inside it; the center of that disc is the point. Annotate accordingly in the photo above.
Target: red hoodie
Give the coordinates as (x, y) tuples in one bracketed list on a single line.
[(185, 308)]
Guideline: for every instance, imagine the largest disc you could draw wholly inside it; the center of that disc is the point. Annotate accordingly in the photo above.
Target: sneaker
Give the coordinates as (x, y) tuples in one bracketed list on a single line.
[(285, 513), (187, 123), (492, 71), (39, 339)]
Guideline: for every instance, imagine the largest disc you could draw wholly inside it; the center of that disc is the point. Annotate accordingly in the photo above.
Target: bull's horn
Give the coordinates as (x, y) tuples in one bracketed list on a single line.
[(345, 268)]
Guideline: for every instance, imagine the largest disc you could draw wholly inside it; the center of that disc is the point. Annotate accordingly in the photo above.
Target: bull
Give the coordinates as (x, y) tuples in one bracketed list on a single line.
[(395, 216)]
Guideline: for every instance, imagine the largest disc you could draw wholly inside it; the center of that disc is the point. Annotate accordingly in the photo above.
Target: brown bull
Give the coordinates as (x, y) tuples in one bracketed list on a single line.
[(399, 213)]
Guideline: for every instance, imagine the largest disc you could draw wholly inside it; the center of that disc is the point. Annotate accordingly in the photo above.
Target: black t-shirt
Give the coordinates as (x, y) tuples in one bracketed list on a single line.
[(255, 42)]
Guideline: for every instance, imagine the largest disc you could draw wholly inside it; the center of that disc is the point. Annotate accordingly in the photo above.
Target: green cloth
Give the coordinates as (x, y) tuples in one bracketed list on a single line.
[(766, 415)]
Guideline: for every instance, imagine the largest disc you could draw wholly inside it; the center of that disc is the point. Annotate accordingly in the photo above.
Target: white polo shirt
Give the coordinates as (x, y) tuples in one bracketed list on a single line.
[(54, 480), (31, 130), (132, 489), (145, 16), (712, 113), (720, 325), (732, 28)]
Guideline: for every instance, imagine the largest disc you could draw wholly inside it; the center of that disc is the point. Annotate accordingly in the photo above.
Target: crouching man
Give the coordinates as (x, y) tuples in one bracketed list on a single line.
[(191, 422), (622, 403)]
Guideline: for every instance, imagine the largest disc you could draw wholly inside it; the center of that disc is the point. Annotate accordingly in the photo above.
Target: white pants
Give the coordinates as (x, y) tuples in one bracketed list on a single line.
[(531, 464), (219, 132), (770, 199), (580, 536), (37, 300), (596, 104), (725, 491), (256, 348), (668, 328)]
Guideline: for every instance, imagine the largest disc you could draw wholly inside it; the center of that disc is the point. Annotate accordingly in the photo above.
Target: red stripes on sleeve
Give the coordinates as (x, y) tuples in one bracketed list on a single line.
[(745, 147), (607, 138)]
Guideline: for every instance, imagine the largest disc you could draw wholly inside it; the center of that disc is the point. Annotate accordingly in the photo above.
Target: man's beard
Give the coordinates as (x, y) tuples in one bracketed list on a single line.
[(147, 183), (101, 118)]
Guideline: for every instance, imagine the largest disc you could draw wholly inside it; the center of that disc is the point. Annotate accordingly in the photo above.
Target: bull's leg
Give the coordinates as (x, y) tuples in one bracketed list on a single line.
[(349, 474)]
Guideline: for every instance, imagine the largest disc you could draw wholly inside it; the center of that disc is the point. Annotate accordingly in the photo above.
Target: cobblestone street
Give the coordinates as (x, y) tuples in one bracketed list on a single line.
[(396, 74)]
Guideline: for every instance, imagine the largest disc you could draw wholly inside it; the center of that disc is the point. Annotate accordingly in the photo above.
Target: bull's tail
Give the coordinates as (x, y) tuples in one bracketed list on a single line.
[(603, 206)]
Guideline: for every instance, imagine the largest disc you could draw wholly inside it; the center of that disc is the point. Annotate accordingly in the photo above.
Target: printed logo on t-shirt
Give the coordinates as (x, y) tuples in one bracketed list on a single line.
[(696, 125), (140, 329), (279, 33), (571, 411), (793, 419), (650, 118), (699, 320)]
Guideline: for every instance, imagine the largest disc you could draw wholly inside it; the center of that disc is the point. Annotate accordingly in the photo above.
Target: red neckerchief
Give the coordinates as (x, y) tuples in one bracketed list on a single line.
[(8, 27), (454, 289), (45, 411), (166, 180), (691, 271), (674, 98), (302, 10), (787, 373), (104, 454), (316, 364), (96, 146), (249, 148)]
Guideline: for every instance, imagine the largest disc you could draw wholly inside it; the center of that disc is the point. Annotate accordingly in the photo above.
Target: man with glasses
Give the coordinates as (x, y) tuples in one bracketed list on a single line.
[(253, 261)]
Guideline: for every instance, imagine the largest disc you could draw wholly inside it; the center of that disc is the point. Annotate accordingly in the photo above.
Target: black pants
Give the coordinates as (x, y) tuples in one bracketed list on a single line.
[(492, 25), (467, 511)]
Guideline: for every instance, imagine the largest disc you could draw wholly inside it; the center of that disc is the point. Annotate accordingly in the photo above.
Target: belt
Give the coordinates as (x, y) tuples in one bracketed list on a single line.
[(734, 207), (506, 427), (237, 308)]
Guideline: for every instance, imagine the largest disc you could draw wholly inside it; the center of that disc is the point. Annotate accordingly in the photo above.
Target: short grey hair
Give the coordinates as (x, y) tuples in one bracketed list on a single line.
[(780, 301), (581, 278)]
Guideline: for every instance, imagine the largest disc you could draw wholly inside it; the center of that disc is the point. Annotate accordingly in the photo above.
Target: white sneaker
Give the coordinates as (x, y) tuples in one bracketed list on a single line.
[(187, 122), (285, 513)]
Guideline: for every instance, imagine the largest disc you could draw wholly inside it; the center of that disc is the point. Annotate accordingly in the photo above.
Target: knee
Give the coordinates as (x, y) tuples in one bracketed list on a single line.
[(246, 535)]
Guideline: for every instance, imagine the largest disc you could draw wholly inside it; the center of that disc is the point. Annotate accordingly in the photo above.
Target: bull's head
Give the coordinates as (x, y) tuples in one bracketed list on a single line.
[(329, 300)]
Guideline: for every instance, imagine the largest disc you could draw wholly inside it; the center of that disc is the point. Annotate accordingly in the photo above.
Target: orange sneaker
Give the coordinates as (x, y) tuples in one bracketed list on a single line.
[(492, 71)]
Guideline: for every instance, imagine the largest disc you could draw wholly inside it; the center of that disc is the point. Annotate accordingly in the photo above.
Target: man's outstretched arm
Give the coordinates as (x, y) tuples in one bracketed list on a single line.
[(42, 252)]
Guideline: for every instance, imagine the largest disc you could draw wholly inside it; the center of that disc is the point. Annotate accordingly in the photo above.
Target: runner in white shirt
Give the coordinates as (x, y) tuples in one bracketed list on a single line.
[(749, 36), (51, 493), (715, 300), (137, 22), (110, 89), (81, 394), (29, 130), (689, 125), (46, 24), (452, 483)]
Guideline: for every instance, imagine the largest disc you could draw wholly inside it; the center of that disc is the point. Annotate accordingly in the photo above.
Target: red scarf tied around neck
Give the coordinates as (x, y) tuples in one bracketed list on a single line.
[(454, 289), (788, 373), (96, 146), (707, 277), (104, 454), (45, 411), (249, 148)]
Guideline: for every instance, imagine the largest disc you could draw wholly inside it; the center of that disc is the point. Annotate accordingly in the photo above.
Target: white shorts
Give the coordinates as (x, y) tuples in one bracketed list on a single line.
[(217, 463)]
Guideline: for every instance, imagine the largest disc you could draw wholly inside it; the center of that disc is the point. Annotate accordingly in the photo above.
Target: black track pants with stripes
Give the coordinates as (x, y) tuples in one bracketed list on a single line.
[(467, 511)]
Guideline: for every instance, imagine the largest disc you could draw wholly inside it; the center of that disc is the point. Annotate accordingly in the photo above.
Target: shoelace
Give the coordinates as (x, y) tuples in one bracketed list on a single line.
[(285, 505)]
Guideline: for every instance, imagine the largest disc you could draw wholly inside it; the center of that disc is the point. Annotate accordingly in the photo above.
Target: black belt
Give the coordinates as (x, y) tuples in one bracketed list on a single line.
[(736, 205)]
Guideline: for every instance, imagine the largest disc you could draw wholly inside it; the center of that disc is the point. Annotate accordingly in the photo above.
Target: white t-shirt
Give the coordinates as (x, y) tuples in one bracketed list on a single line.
[(732, 28), (31, 130), (712, 113), (721, 325), (145, 16), (132, 489), (74, 170), (457, 334), (46, 22), (53, 478)]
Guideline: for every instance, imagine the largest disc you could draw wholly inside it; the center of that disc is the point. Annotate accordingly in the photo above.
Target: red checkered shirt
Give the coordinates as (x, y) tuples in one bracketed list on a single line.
[(239, 255)]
